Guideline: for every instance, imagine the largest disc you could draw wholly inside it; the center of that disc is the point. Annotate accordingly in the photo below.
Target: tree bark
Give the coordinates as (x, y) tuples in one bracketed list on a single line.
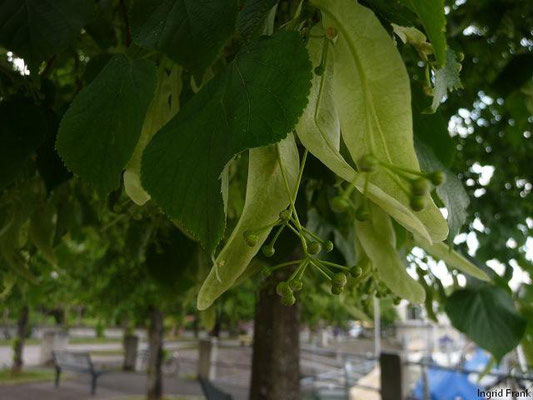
[(276, 349), (18, 346), (216, 329), (155, 338)]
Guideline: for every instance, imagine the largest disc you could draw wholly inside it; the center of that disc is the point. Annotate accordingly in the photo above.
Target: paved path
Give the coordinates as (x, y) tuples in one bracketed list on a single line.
[(110, 387)]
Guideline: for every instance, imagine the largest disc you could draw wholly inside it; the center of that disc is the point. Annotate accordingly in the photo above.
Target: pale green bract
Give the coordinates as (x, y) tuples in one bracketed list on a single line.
[(378, 240), (372, 95), (319, 131), (266, 197), (164, 106), (442, 251)]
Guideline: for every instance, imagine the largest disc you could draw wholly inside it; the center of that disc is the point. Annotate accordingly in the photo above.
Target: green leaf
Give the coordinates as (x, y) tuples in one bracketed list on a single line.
[(253, 15), (13, 235), (100, 27), (22, 130), (442, 251), (100, 129), (456, 200), (446, 80), (95, 65), (516, 73), (265, 180), (164, 106), (319, 131), (451, 192), (432, 129), (180, 28), (8, 281), (431, 13), (42, 231), (378, 240), (392, 10), (373, 100), (256, 101), (36, 29), (49, 164), (488, 316), (170, 258)]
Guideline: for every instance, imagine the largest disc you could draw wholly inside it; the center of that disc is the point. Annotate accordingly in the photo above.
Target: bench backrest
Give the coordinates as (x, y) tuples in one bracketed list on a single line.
[(76, 361)]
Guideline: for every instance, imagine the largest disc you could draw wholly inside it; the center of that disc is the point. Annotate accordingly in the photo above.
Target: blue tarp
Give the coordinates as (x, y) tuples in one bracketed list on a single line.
[(447, 385), (478, 361)]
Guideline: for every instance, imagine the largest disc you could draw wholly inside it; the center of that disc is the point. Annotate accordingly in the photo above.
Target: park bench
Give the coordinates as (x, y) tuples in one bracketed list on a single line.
[(77, 362), (211, 392)]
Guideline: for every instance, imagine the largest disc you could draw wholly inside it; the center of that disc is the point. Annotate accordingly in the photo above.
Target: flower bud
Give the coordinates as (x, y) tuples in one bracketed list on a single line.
[(283, 289), (339, 204), (296, 285), (336, 290), (268, 251), (285, 215), (418, 203), (288, 300), (420, 186), (328, 246), (437, 178), (314, 248), (362, 214), (250, 238), (339, 279), (356, 271), (368, 163)]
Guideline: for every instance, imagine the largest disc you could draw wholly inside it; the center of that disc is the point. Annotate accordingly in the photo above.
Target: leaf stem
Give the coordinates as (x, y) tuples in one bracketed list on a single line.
[(291, 199), (335, 265), (313, 235), (318, 267), (303, 264), (285, 264), (280, 229)]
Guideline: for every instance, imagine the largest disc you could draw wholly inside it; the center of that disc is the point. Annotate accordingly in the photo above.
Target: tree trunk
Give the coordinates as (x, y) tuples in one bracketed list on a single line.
[(195, 327), (5, 320), (216, 329), (18, 345), (155, 338), (276, 353)]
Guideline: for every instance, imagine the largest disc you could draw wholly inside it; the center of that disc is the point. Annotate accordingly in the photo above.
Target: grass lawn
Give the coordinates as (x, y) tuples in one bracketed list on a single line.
[(9, 342), (28, 375), (72, 340), (107, 353)]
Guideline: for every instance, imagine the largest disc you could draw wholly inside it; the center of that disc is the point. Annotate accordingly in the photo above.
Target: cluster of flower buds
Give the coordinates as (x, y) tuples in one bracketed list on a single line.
[(416, 184)]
